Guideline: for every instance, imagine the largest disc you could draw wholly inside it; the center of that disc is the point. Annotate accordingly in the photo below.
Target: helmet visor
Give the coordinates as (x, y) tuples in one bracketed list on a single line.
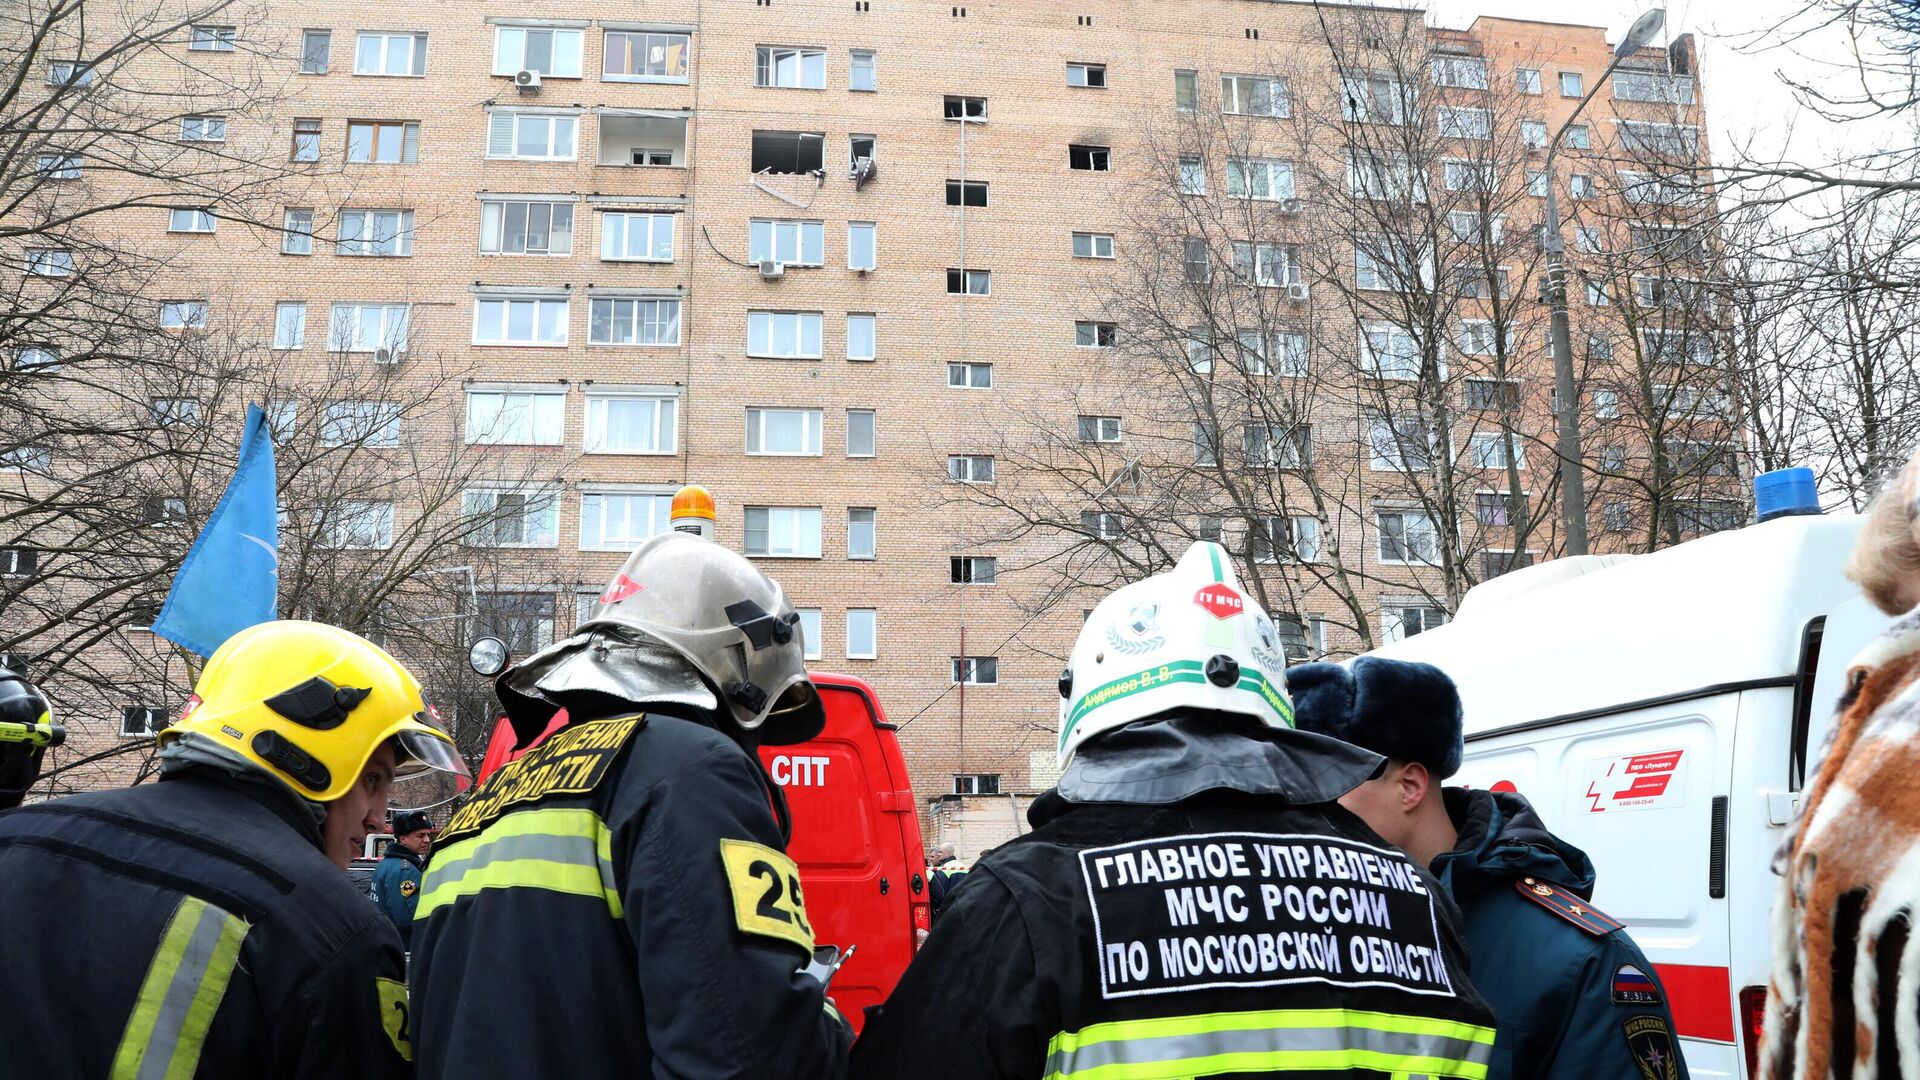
[(429, 751)]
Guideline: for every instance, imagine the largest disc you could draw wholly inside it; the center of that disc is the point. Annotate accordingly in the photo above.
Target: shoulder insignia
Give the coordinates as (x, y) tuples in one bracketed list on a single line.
[(1632, 986), (1568, 905), (766, 892), (394, 1014), (1651, 1044), (409, 887), (572, 761)]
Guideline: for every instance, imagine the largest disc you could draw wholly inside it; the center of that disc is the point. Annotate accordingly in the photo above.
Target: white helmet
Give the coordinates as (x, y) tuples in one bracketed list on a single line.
[(1188, 638)]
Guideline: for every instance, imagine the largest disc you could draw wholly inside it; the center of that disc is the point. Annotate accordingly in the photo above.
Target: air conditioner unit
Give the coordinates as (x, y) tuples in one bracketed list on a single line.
[(1297, 291), (1289, 206), (772, 270), (386, 356), (527, 81)]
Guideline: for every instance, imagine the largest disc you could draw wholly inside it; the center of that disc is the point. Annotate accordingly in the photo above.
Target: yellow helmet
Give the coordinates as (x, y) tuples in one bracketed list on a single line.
[(310, 703)]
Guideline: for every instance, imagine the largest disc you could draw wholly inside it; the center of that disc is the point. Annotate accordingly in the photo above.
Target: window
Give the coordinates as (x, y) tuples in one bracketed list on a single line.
[(1466, 72), (1399, 443), (306, 140), (1672, 293), (860, 433), (1588, 239), (1193, 176), (1289, 354), (1537, 184), (1654, 86), (1571, 84), (1616, 517), (528, 227), (1389, 351), (1489, 394), (211, 39), (360, 423), (1088, 75), (60, 166), (390, 54), (203, 129), (634, 423), (524, 621), (356, 523), (376, 232), (290, 324), (1377, 265), (1488, 450), (1271, 265), (170, 411), (1185, 90), (515, 417), (1461, 175), (1199, 352), (641, 56), (969, 282), (1579, 137), (976, 670), (1407, 537), (383, 142), (860, 532), (1463, 123), (809, 632), (784, 335), (49, 262), (976, 784), (1195, 262), (1660, 140), (1707, 515), (784, 432), (1094, 335), (519, 321), (784, 531), (511, 518), (1645, 189), (553, 53), (794, 68), (638, 321), (788, 152), (795, 243), (1597, 294), (1373, 99), (1676, 346), (1100, 429), (69, 74), (1385, 177), (860, 245), (296, 232), (1491, 508), (1606, 404), (970, 376), (973, 569), (139, 720), (316, 51), (1478, 338), (1497, 561), (634, 237), (862, 335), (1598, 348), (527, 136), (1286, 539), (1613, 458), (1254, 95), (19, 561), (862, 634), (1527, 80), (1090, 158), (1471, 227), (1102, 526), (38, 459), (183, 315), (368, 327), (619, 520), (1259, 178), (1533, 134), (966, 193), (970, 468), (860, 70), (1092, 245), (964, 108), (1277, 446), (41, 358)]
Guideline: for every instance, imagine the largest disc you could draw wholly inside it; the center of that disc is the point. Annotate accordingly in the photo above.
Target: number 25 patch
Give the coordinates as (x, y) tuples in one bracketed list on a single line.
[(766, 892)]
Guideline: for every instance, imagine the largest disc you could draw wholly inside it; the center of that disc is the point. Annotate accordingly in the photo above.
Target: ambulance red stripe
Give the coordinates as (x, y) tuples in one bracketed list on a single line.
[(1701, 999)]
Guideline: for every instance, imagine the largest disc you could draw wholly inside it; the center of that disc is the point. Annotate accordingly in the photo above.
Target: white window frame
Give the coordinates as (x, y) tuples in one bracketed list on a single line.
[(968, 468), (70, 73), (198, 220), (1373, 98), (798, 521), (1527, 81), (872, 231), (665, 427), (1237, 92), (552, 119), (971, 370), (1098, 245), (207, 129), (1403, 350), (1464, 72), (871, 333), (1381, 433), (540, 511), (645, 40), (1193, 175), (807, 66), (1275, 174), (1469, 174), (209, 38), (49, 262), (1267, 265), (1105, 429), (811, 436), (966, 671), (1107, 330), (871, 617), (543, 414), (1579, 84), (1464, 122), (763, 326), (505, 339), (371, 239), (642, 307), (811, 633), (61, 166), (1086, 74), (789, 242), (1392, 619), (859, 61), (871, 525), (416, 57), (1488, 450), (594, 501), (494, 214), (510, 50), (290, 324), (617, 231), (395, 321), (1407, 538), (967, 280), (360, 423), (183, 314), (341, 523)]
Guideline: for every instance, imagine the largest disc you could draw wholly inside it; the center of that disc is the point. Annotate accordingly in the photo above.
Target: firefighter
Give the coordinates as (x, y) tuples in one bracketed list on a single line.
[(27, 729), (1191, 900), (1576, 998), (619, 901), (203, 925)]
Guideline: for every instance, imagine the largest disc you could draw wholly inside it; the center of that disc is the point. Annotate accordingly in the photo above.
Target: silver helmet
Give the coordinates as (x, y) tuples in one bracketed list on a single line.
[(725, 618)]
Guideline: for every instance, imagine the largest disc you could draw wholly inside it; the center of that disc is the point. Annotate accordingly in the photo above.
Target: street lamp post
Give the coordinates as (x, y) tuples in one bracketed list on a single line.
[(1573, 486)]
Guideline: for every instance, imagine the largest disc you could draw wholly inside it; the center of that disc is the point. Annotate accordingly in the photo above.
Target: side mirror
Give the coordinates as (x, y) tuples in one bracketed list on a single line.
[(488, 656)]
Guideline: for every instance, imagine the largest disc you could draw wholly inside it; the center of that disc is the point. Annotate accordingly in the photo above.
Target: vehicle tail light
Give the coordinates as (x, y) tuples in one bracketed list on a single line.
[(1753, 1021), (922, 923)]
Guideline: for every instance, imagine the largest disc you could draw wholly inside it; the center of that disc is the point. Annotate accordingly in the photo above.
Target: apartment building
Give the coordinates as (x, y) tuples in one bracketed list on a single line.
[(823, 256)]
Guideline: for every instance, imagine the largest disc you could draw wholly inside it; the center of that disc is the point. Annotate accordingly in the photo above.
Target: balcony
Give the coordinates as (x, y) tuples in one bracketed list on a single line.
[(642, 138)]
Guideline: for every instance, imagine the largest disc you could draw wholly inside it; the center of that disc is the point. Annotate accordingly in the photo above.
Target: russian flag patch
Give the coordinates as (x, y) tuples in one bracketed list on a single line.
[(1631, 986)]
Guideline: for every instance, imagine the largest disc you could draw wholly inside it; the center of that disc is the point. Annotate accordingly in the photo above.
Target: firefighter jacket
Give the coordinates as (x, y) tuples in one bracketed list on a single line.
[(191, 928), (1230, 932), (396, 888), (1575, 997), (618, 903)]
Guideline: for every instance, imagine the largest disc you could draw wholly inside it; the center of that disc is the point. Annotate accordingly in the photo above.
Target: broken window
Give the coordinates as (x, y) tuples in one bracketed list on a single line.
[(1090, 158), (965, 108), (788, 152)]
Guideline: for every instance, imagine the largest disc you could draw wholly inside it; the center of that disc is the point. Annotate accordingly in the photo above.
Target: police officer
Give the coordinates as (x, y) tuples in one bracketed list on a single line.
[(619, 901), (202, 926), (1575, 997), (1191, 901), (396, 881)]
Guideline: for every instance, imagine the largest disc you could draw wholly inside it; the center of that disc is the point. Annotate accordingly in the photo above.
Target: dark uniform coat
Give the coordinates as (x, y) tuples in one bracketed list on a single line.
[(396, 888), (1225, 932), (190, 928), (618, 903), (1576, 999)]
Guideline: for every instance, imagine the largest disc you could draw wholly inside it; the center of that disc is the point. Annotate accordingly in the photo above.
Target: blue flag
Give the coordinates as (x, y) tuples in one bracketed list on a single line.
[(230, 579)]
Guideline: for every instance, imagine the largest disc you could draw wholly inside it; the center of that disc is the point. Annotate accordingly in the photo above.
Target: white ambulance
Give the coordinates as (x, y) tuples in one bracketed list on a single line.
[(1660, 711)]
